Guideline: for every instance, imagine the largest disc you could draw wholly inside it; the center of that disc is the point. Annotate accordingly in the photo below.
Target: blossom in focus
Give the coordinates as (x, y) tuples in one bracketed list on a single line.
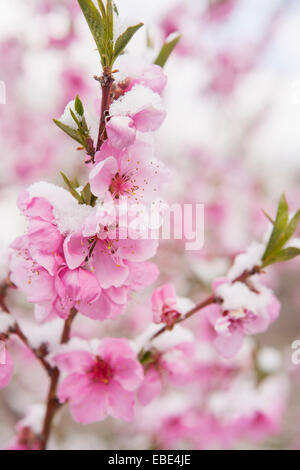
[(140, 109), (101, 383), (133, 172)]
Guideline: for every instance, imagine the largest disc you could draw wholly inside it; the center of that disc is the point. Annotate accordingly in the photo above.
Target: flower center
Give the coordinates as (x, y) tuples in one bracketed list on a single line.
[(169, 317), (101, 371), (121, 185)]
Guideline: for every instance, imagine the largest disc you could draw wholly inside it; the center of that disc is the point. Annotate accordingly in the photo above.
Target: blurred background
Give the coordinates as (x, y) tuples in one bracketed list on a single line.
[(231, 140)]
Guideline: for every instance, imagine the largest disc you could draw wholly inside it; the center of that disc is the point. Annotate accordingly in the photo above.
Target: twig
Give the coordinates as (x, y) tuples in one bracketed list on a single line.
[(106, 82), (52, 401)]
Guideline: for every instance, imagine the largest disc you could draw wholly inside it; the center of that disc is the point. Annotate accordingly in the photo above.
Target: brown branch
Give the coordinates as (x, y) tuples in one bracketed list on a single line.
[(4, 287), (52, 401), (106, 82)]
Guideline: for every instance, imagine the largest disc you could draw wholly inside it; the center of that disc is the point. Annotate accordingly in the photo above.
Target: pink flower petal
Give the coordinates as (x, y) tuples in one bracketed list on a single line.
[(121, 402), (101, 176), (151, 386), (120, 131)]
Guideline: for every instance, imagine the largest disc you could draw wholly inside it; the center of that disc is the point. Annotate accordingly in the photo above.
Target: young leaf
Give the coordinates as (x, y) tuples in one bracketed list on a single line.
[(79, 106), (283, 255), (75, 119), (167, 50), (292, 227), (71, 188), (73, 133), (102, 9), (86, 194), (146, 357), (95, 22), (110, 19), (124, 39), (280, 225)]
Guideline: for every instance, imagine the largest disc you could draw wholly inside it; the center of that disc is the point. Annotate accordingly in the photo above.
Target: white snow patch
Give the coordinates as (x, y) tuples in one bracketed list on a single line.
[(184, 305), (269, 360), (170, 339), (238, 295), (34, 418), (49, 333), (246, 261), (66, 117), (68, 214), (6, 322), (135, 101)]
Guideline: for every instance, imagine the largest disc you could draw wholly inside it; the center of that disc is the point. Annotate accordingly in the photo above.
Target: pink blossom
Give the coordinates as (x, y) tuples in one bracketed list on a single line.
[(100, 384), (6, 369), (25, 440), (164, 301), (133, 173), (173, 365), (152, 76), (220, 11), (230, 325), (121, 132), (143, 108), (110, 256), (151, 386), (76, 286), (43, 237)]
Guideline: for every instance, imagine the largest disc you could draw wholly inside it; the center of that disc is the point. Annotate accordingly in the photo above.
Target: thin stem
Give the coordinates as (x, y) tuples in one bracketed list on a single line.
[(106, 82), (52, 401)]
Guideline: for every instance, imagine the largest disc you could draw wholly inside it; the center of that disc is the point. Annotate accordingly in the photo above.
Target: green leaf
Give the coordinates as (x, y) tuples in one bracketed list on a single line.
[(277, 236), (94, 21), (86, 194), (283, 255), (75, 119), (292, 227), (76, 182), (124, 39), (146, 357), (73, 133), (166, 51), (79, 106), (71, 188), (102, 8), (110, 19)]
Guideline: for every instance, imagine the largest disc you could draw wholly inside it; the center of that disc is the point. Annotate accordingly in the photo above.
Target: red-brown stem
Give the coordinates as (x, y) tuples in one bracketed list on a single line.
[(209, 301), (52, 402), (4, 287), (106, 82)]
